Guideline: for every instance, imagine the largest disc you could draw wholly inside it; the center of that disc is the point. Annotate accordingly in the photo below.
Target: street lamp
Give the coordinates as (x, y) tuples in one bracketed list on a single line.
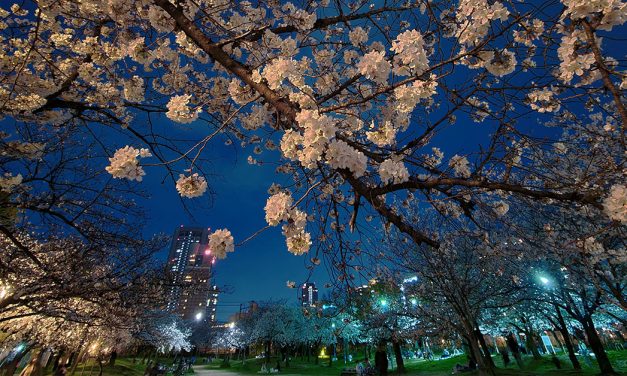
[(198, 316), (545, 281)]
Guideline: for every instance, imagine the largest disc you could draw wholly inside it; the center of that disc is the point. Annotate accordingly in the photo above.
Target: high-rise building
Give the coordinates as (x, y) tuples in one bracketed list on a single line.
[(192, 294), (309, 294)]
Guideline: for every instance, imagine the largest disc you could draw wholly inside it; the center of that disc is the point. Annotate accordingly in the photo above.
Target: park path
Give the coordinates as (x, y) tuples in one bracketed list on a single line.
[(201, 371)]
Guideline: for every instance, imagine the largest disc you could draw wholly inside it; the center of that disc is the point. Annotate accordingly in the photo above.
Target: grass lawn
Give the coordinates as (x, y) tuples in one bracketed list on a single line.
[(434, 367), (123, 367)]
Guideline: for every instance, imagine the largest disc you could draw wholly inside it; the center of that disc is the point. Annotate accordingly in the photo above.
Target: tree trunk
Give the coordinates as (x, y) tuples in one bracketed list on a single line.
[(286, 356), (34, 366), (400, 365), (486, 351), (9, 368), (267, 351), (331, 357), (567, 342), (532, 344), (597, 347)]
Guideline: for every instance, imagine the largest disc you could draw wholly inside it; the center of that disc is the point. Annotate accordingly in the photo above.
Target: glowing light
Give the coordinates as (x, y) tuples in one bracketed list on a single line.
[(198, 316), (544, 280), (414, 301)]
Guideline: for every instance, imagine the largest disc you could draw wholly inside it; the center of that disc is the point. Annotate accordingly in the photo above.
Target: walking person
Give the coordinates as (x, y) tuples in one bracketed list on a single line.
[(381, 361)]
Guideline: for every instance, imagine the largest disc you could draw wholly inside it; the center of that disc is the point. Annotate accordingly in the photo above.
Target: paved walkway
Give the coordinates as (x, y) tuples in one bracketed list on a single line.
[(202, 371)]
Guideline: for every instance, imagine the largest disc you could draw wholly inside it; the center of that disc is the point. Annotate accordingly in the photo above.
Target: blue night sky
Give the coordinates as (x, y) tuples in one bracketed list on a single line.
[(259, 269)]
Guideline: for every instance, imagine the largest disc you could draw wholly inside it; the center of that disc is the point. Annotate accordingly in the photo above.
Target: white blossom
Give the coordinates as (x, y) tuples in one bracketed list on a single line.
[(280, 69), (179, 111), (411, 57), (221, 243), (374, 66), (499, 63), (543, 100), (289, 144), (382, 136), (615, 204), (298, 17), (277, 208), (134, 89), (529, 32), (460, 165), (125, 163), (501, 208), (191, 186), (318, 131), (407, 96), (614, 12), (391, 170), (572, 62), (358, 36), (474, 18), (8, 182), (341, 155), (297, 239)]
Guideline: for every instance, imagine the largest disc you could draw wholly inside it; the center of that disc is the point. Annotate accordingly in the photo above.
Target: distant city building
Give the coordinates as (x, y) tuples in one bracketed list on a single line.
[(190, 263), (309, 294), (245, 312)]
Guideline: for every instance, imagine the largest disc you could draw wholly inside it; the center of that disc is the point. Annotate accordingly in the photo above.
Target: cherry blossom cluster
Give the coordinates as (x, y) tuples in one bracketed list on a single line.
[(474, 18), (279, 209), (408, 96), (411, 57), (615, 204), (393, 170), (460, 165), (221, 243), (280, 69), (543, 100), (375, 67), (573, 62), (383, 135), (530, 31), (298, 17), (28, 150), (318, 130), (358, 36), (125, 163), (134, 89), (8, 182), (500, 208), (341, 155), (179, 110), (614, 12), (499, 63), (191, 186)]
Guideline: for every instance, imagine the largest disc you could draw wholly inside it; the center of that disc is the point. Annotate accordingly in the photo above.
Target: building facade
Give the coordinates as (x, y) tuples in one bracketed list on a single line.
[(192, 294), (309, 294)]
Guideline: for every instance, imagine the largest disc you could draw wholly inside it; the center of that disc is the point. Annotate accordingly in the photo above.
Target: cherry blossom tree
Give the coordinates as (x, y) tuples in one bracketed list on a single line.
[(65, 295), (364, 102), (458, 109)]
